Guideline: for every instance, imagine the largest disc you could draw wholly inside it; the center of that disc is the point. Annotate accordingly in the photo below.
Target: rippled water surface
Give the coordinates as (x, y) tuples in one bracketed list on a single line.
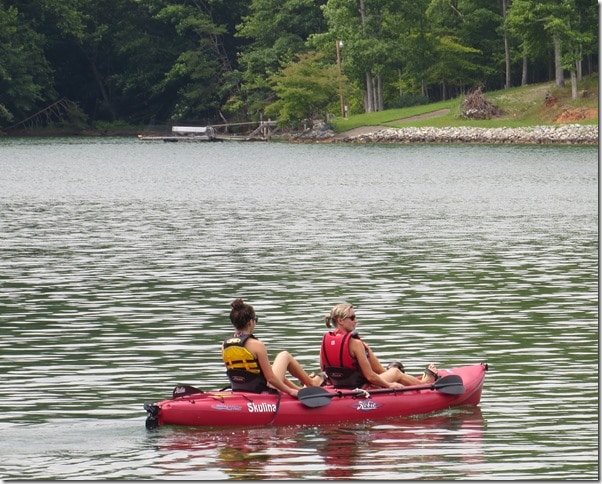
[(119, 258)]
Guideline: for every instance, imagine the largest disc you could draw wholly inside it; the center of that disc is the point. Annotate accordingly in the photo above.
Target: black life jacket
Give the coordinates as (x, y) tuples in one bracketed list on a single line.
[(242, 367), (341, 368)]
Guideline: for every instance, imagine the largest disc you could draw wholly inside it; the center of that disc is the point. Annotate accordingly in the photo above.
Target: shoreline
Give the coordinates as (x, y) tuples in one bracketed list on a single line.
[(567, 134)]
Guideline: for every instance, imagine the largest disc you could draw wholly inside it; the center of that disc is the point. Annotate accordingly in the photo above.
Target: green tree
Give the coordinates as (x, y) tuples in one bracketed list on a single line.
[(275, 31), (305, 89), (27, 30), (452, 65), (197, 60), (176, 59), (135, 60), (25, 77), (481, 30), (416, 47), (577, 36), (558, 25), (366, 45), (468, 31)]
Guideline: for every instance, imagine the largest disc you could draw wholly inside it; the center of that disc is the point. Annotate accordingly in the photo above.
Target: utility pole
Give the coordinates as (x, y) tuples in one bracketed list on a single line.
[(341, 97)]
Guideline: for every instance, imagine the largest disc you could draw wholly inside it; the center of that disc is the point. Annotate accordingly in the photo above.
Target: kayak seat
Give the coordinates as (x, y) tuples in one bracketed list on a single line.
[(244, 381), (342, 377)]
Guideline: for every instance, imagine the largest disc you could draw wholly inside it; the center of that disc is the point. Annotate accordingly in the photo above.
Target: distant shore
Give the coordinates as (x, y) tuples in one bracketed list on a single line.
[(554, 134), (558, 134)]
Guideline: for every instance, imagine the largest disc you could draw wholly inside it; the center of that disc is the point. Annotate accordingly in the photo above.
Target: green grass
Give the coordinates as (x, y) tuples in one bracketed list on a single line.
[(521, 106), (389, 116)]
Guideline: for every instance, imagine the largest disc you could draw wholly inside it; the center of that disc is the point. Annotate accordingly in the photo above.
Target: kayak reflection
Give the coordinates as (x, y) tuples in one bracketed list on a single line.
[(451, 442)]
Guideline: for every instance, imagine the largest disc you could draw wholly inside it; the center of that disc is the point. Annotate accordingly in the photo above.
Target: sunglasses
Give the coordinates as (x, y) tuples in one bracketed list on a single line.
[(256, 319), (351, 317)]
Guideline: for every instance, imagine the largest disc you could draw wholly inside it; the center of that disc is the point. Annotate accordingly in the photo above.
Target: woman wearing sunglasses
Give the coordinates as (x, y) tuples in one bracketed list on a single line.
[(246, 358), (350, 363)]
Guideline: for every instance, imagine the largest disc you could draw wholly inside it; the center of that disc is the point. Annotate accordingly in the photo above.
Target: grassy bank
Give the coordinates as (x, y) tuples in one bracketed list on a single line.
[(521, 107)]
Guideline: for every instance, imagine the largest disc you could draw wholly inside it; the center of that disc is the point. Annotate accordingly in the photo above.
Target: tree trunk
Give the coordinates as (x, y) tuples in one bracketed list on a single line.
[(380, 105), (375, 93), (101, 87), (369, 104), (524, 78), (362, 14), (559, 73), (369, 97), (573, 84), (506, 47), (507, 54)]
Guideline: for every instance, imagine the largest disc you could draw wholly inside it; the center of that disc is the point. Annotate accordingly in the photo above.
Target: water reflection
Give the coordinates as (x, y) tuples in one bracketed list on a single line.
[(405, 448)]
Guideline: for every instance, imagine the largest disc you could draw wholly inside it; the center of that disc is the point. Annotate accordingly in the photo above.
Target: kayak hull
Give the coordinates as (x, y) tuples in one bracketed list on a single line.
[(242, 409)]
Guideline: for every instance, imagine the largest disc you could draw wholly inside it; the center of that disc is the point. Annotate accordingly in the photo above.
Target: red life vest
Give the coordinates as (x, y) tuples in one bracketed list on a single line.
[(342, 369)]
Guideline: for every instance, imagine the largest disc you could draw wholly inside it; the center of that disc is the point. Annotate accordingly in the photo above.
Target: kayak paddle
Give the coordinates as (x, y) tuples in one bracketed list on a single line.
[(314, 397), (182, 390)]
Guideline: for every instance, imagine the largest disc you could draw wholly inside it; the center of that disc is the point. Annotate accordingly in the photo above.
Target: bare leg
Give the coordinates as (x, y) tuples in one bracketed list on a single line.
[(289, 383), (285, 361), (427, 378), (395, 375)]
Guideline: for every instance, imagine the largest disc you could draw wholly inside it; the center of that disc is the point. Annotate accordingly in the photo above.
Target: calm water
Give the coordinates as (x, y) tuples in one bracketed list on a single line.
[(119, 258)]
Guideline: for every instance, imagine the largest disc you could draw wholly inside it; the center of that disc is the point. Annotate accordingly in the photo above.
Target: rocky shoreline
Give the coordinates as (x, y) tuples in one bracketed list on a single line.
[(558, 134), (554, 134)]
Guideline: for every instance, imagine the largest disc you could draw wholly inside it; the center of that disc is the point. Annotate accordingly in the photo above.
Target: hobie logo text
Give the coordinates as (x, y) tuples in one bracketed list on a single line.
[(366, 405)]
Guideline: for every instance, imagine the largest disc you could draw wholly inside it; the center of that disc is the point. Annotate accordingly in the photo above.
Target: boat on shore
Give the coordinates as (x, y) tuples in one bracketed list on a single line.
[(189, 406)]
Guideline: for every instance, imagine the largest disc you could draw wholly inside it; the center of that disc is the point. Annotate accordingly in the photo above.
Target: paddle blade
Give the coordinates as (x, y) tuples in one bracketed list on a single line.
[(314, 397), (450, 384)]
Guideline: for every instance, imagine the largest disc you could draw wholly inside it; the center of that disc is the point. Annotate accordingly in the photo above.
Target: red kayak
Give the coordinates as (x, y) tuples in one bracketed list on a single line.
[(316, 405)]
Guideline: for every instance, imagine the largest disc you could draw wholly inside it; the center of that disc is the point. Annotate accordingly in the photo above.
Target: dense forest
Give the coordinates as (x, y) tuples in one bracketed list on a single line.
[(95, 62)]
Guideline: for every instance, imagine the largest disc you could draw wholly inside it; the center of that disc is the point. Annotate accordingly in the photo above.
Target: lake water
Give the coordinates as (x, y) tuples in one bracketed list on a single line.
[(119, 259)]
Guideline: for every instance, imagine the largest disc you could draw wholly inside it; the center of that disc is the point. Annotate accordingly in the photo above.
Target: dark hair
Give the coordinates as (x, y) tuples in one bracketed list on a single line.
[(241, 313)]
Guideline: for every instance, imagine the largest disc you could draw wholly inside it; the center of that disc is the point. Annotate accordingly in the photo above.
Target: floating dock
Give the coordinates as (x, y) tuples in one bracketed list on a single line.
[(220, 132)]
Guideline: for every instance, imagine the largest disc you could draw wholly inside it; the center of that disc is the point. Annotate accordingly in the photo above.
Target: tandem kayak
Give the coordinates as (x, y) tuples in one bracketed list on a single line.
[(190, 406)]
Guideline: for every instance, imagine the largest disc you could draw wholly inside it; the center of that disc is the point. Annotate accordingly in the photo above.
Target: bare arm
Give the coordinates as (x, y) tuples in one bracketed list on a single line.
[(356, 348), (259, 351), (376, 366)]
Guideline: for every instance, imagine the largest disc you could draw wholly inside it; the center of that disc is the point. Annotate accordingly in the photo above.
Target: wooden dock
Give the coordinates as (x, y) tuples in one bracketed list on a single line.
[(215, 133)]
